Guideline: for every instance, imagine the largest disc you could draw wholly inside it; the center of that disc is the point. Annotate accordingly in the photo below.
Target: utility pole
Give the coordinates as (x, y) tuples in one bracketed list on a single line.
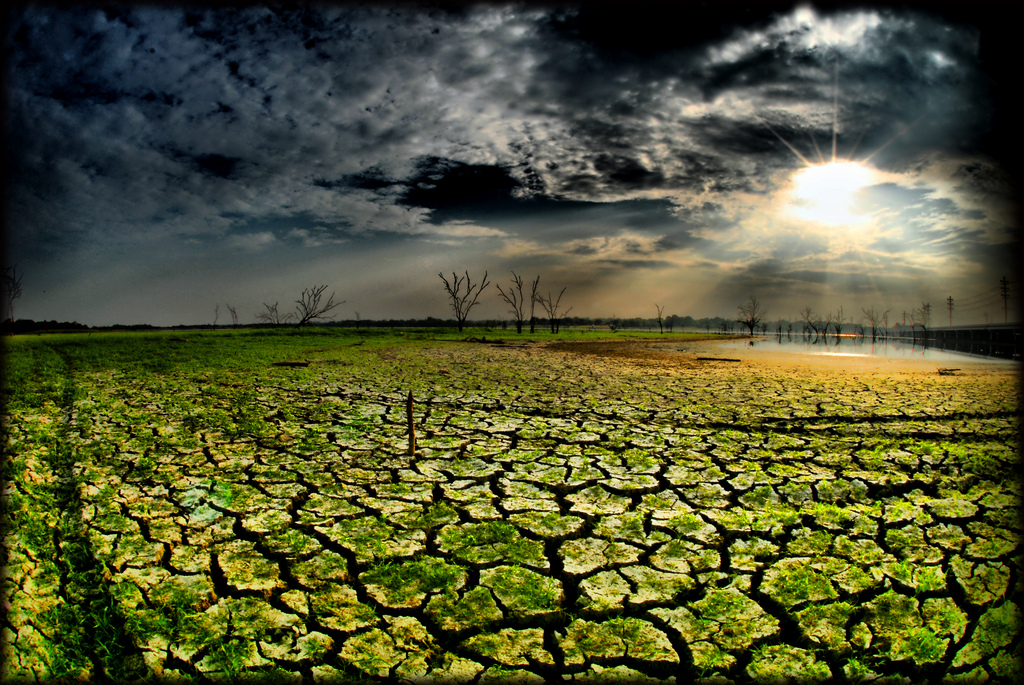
[(1004, 290), (949, 302)]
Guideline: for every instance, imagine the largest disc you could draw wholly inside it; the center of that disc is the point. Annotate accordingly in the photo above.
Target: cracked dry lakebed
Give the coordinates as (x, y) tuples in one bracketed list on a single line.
[(577, 508)]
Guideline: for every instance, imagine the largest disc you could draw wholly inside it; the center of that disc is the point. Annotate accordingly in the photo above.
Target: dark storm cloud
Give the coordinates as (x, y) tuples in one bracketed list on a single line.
[(621, 34), (1000, 257), (627, 173), (984, 179), (746, 137), (455, 191), (444, 184), (217, 165)]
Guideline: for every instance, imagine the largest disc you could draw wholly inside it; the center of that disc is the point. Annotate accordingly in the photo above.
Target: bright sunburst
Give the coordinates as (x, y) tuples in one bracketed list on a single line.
[(825, 192)]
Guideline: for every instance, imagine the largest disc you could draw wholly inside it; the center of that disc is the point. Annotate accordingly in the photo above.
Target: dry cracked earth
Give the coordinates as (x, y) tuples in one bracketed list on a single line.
[(572, 511)]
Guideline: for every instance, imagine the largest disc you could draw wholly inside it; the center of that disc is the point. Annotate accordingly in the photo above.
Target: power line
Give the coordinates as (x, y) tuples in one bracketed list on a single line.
[(990, 302), (986, 293)]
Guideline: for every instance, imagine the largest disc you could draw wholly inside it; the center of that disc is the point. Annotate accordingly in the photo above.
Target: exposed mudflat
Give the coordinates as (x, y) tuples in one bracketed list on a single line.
[(579, 510)]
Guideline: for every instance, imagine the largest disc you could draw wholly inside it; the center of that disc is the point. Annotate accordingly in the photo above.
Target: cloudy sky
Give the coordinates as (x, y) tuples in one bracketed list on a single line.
[(165, 160)]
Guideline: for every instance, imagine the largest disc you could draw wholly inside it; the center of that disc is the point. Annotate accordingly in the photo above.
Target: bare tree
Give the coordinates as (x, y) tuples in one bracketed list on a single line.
[(812, 321), (839, 322), (516, 299), (875, 319), (925, 314), (460, 302), (826, 324), (661, 311), (751, 313), (273, 316), (216, 314), (533, 302), (234, 316), (551, 306), (920, 317), (12, 288), (309, 306)]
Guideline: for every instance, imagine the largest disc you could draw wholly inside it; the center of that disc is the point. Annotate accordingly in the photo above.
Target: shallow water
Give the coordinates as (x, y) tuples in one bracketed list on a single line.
[(863, 347)]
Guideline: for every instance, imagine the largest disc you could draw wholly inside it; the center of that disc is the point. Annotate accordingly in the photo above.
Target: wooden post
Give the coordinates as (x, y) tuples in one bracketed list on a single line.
[(412, 428)]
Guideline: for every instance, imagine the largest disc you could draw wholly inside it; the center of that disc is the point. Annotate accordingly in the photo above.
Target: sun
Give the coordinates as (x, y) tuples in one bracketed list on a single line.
[(825, 193)]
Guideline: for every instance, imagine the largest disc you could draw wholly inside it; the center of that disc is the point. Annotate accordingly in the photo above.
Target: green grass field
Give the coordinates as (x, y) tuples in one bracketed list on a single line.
[(178, 507)]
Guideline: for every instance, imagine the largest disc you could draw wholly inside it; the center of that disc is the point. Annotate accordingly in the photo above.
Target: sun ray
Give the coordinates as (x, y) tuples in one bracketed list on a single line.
[(853, 150), (817, 150), (893, 139), (835, 110), (784, 141)]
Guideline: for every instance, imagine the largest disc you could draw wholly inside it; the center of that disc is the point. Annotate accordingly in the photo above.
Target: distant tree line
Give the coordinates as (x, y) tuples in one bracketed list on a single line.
[(463, 294), (9, 327)]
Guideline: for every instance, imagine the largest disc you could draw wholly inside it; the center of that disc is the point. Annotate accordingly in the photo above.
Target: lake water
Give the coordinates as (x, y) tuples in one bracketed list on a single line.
[(863, 347)]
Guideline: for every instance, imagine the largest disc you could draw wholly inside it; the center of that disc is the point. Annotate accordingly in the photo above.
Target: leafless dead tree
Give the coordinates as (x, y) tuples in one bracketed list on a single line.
[(234, 316), (273, 316), (813, 322), (661, 320), (216, 314), (551, 306), (516, 299), (308, 307), (839, 321), (460, 302), (923, 315), (751, 313), (875, 320), (826, 324), (12, 288), (533, 302)]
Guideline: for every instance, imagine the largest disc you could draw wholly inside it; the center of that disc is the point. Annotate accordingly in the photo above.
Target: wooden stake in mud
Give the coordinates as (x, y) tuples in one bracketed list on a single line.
[(412, 428)]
